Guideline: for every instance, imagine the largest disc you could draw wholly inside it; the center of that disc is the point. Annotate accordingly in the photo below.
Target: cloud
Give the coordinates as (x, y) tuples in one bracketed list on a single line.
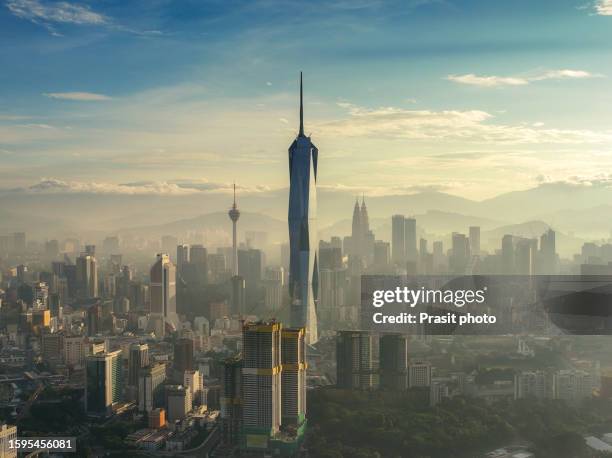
[(36, 126), (603, 7), (377, 191), (487, 81), (51, 14), (166, 188), (493, 81), (79, 96), (57, 12), (454, 125), (599, 180), (53, 185), (564, 74)]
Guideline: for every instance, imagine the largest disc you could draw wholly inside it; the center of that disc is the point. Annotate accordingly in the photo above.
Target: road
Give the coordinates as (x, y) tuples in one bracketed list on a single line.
[(28, 405)]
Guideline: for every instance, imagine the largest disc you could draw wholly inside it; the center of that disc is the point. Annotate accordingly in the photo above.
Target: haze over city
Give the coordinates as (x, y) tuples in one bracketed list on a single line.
[(327, 229)]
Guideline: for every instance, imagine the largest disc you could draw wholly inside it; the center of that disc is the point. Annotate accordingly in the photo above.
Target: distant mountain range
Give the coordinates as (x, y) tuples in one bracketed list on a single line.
[(578, 211)]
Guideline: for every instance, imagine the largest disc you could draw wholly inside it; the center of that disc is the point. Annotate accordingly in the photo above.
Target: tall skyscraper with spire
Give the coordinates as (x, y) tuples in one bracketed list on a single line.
[(303, 268), (234, 214)]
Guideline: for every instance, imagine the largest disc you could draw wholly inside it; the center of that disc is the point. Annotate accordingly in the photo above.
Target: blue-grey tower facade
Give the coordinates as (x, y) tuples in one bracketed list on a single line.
[(303, 268)]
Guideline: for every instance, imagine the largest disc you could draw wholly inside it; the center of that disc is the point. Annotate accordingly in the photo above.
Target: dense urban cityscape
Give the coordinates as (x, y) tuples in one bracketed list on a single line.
[(403, 252), (213, 351)]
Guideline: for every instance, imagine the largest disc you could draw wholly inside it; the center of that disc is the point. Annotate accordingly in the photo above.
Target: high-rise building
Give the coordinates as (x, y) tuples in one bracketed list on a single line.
[(231, 401), (183, 355), (354, 360), (411, 240), (393, 362), (163, 293), (382, 253), (285, 254), (333, 289), (138, 359), (507, 253), (41, 295), (103, 382), (398, 239), (52, 345), (438, 258), (261, 382), (419, 374), (250, 267), (238, 295), (182, 258), (217, 265), (525, 252), (151, 387), (330, 257), (193, 380), (93, 319), (293, 377), (548, 253), (274, 283), (198, 258), (303, 241), (8, 433), (474, 235), (234, 215), (362, 239), (86, 276), (423, 256), (460, 254), (178, 402), (74, 351)]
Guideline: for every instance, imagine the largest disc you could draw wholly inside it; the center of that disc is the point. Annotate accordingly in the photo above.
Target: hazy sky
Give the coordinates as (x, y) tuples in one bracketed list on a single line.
[(473, 98)]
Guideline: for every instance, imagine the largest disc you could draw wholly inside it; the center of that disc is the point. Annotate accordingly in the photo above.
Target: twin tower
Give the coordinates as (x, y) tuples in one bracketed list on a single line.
[(303, 268)]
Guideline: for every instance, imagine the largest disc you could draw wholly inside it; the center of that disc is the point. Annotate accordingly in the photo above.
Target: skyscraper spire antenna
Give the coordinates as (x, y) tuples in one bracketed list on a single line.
[(234, 194), (301, 108)]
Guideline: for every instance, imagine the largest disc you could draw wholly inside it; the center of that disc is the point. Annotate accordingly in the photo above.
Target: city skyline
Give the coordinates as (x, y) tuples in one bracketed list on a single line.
[(449, 113), (151, 306)]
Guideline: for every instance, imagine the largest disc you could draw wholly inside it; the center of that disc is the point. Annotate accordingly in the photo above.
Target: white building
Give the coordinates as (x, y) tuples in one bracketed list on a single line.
[(536, 384), (572, 385), (7, 433), (194, 382)]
